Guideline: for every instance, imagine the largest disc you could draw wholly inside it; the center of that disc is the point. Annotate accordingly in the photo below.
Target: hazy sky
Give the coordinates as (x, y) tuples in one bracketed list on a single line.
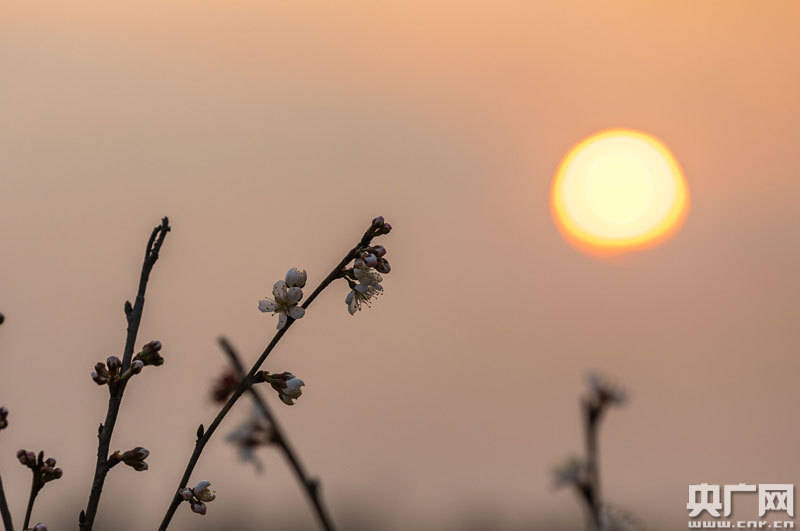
[(271, 133)]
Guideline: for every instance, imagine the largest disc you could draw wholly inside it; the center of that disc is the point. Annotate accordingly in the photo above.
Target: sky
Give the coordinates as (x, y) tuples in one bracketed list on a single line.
[(272, 132)]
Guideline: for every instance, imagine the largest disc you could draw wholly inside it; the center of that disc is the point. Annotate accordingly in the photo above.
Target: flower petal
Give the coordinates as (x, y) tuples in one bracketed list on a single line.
[(266, 305), (296, 312), (282, 320), (294, 295)]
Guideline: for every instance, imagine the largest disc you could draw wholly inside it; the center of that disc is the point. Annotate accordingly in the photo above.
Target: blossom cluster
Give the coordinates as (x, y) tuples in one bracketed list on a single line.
[(199, 495), (286, 295)]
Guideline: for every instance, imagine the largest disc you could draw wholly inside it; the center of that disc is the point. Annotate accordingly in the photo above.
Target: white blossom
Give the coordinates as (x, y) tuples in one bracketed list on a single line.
[(368, 287), (285, 299), (254, 432), (291, 390)]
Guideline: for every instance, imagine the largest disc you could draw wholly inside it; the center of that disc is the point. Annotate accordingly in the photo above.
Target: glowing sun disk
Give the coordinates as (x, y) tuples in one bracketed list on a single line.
[(618, 190)]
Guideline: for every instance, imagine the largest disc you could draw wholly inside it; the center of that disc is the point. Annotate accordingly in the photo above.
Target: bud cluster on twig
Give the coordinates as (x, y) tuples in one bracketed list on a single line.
[(44, 470), (198, 496), (111, 372), (134, 458)]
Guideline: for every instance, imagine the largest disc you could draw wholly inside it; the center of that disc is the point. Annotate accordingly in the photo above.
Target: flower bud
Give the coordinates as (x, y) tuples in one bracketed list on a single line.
[(370, 260), (50, 462), (199, 508), (204, 492), (296, 278), (186, 494), (225, 386), (39, 527), (383, 266), (386, 229), (137, 366), (114, 364), (377, 222), (378, 250), (152, 346)]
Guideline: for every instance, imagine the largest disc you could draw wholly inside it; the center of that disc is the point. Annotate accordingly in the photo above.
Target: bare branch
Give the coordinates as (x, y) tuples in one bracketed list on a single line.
[(134, 317)]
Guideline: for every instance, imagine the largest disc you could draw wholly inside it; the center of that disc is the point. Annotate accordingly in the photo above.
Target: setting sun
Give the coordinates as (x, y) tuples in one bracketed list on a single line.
[(618, 190)]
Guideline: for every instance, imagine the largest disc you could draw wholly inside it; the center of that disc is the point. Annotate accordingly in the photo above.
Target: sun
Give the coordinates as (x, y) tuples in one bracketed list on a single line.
[(617, 191)]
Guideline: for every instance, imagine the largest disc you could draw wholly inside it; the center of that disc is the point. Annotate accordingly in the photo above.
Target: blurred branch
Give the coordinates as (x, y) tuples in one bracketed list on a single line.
[(310, 486), (591, 492), (205, 435), (134, 317), (7, 523)]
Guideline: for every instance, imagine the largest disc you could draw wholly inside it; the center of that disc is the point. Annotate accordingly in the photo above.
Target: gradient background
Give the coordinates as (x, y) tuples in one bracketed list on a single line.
[(271, 133)]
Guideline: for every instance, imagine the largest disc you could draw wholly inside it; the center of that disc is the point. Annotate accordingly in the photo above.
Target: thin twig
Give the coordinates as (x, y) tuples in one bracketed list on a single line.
[(35, 488), (205, 435), (7, 522), (310, 486), (592, 490), (134, 317)]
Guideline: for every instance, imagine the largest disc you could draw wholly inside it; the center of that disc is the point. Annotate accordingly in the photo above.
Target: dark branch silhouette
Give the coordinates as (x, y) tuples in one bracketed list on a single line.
[(204, 435), (133, 313)]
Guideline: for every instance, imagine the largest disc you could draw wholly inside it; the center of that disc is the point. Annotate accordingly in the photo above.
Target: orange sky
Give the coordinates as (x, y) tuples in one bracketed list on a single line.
[(270, 133)]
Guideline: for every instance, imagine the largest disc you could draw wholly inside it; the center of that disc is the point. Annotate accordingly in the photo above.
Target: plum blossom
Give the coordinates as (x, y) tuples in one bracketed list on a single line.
[(198, 496), (254, 432), (286, 294), (368, 287), (287, 384)]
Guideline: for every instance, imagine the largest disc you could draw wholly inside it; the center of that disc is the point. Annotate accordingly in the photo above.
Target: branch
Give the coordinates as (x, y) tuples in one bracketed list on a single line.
[(134, 317), (7, 523), (35, 488), (377, 228), (310, 486), (592, 491)]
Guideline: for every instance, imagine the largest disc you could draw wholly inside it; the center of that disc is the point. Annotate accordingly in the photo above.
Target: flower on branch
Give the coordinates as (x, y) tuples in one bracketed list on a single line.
[(602, 394), (199, 495), (225, 385), (3, 417), (133, 458), (364, 278), (44, 470), (571, 473), (286, 294), (287, 384), (253, 433)]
